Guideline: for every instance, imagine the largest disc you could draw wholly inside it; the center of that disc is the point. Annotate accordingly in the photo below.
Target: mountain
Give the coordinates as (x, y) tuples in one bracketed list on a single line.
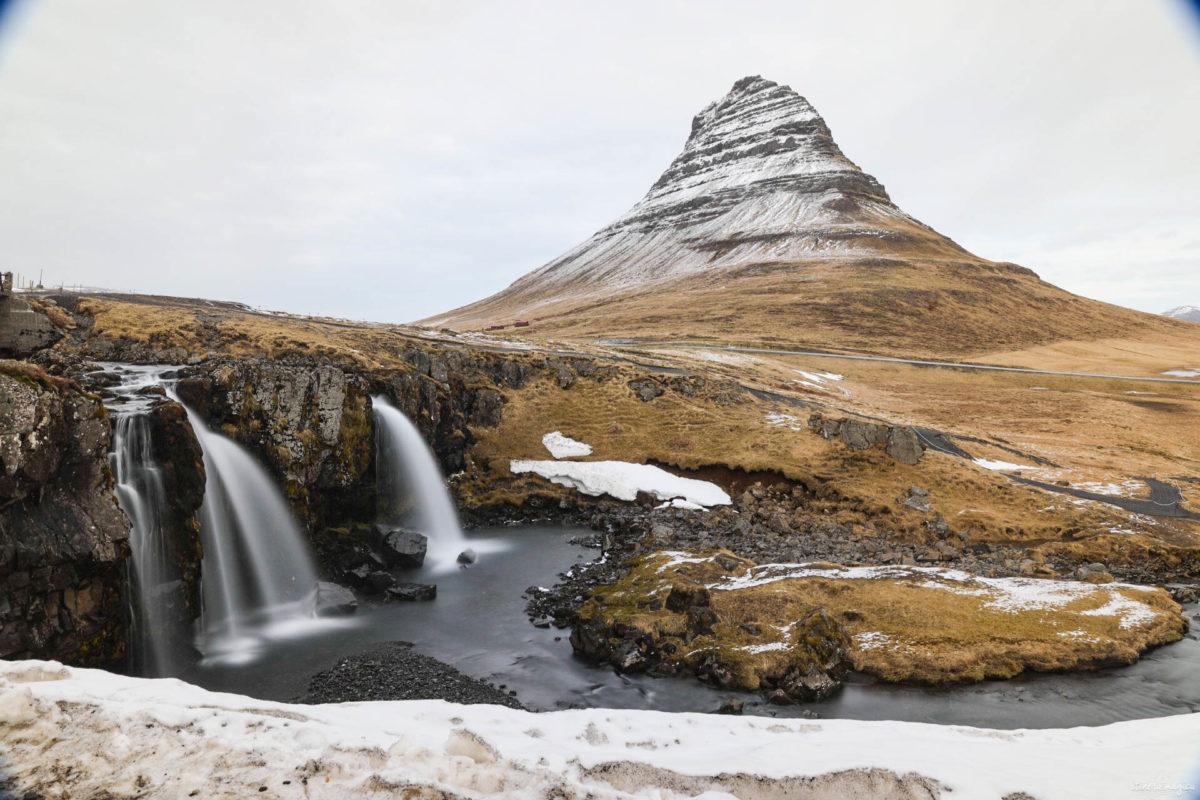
[(762, 230), (1188, 313)]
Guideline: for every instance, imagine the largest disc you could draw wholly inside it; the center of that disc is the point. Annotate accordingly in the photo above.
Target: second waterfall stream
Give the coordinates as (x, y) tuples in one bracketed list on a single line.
[(411, 488)]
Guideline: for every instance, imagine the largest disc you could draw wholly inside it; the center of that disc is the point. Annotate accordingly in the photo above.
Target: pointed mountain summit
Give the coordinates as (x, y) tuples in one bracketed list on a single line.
[(1189, 313), (763, 230)]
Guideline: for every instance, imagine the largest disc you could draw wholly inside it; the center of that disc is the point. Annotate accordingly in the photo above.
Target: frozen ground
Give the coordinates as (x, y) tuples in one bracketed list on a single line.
[(86, 733)]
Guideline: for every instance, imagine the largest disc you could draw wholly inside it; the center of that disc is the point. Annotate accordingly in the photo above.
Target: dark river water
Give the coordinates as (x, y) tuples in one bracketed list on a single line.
[(478, 624)]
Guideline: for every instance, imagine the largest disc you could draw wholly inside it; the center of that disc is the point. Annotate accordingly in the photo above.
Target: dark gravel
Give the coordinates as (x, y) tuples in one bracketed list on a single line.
[(394, 672)]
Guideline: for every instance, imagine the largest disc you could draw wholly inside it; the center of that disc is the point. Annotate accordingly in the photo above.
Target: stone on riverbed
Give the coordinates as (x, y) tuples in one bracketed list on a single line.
[(401, 547), (412, 591), (334, 600)]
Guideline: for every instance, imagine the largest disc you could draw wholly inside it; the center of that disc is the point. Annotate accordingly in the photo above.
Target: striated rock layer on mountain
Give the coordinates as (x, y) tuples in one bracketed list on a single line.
[(762, 230)]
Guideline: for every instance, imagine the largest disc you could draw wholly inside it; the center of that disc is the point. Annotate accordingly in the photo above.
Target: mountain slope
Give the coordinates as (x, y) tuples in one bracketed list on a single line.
[(762, 230)]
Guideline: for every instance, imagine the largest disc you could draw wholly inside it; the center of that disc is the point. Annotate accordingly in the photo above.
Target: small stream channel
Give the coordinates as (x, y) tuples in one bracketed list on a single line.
[(478, 624)]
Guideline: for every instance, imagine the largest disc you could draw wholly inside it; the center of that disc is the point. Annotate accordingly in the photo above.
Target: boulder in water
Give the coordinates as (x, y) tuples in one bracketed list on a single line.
[(412, 591), (401, 547), (334, 600), (378, 581), (467, 556)]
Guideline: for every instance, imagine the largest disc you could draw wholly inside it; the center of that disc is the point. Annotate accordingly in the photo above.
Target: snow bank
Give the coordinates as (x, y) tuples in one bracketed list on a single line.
[(624, 480), (88, 733), (1000, 466), (564, 446)]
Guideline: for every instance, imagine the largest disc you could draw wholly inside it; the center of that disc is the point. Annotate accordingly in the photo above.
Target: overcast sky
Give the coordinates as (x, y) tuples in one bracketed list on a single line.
[(389, 160)]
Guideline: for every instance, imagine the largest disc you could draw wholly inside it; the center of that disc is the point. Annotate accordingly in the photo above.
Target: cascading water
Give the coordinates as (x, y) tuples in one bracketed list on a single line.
[(157, 600), (410, 484), (258, 580), (140, 494)]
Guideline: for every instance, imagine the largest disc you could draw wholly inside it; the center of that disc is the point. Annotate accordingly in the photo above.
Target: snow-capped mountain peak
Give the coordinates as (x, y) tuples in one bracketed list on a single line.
[(760, 180), (1188, 313)]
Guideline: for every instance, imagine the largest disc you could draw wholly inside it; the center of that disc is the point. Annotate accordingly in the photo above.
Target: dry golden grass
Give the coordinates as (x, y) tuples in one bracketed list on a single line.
[(913, 307), (215, 329), (1094, 430), (853, 487), (918, 627)]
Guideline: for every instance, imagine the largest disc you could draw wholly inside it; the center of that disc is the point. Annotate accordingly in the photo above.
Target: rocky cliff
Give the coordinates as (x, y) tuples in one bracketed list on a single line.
[(181, 465), (63, 541), (311, 423)]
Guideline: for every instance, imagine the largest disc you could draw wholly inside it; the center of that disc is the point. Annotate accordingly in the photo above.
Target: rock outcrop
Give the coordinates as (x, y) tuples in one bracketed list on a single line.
[(311, 426), (23, 330), (901, 442), (181, 465), (63, 541)]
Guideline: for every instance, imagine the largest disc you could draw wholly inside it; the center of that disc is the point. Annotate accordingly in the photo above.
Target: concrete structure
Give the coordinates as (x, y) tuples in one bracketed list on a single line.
[(22, 330)]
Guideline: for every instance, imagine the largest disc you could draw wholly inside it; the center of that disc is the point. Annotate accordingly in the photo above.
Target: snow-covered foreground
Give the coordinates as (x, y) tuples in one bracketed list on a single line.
[(87, 733)]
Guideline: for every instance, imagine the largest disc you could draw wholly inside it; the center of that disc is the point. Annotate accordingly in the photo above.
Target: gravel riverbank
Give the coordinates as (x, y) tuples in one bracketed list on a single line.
[(393, 671)]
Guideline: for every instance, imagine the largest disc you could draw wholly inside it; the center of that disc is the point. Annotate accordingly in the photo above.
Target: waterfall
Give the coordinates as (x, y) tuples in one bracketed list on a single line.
[(140, 494), (257, 577), (411, 487), (257, 582)]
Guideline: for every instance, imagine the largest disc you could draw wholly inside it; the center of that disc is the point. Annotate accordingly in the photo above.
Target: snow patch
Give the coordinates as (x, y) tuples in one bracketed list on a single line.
[(564, 446), (1000, 466), (623, 480), (1011, 595), (819, 381), (872, 640), (1190, 372), (764, 648), (678, 503), (778, 420)]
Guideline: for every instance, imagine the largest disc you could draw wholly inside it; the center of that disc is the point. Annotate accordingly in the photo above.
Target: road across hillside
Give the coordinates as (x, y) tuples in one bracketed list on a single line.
[(917, 362)]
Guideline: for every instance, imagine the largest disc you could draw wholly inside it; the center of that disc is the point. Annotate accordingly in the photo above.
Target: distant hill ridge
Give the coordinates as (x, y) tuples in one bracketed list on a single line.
[(1188, 313)]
